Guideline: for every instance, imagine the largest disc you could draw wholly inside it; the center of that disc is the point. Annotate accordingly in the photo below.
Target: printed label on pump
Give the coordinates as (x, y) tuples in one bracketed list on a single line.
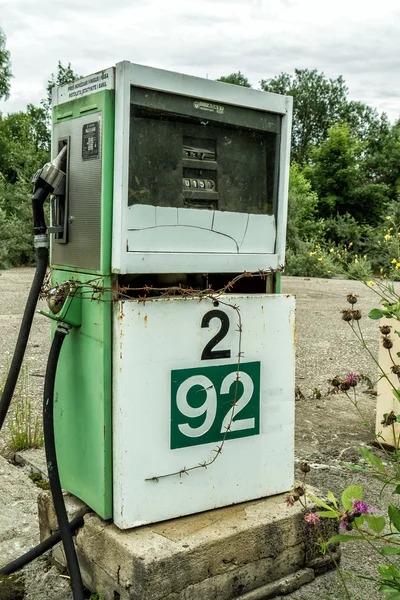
[(209, 404)]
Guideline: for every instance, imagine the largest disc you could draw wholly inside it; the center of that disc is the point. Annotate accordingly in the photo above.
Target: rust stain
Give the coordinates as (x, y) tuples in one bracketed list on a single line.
[(121, 310), (120, 355), (145, 320)]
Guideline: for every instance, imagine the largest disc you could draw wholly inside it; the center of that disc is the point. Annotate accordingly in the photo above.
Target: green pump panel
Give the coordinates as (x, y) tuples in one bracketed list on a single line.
[(172, 182)]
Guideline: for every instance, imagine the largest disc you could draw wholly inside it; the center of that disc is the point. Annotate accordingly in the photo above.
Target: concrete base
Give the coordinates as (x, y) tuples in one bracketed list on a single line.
[(251, 551)]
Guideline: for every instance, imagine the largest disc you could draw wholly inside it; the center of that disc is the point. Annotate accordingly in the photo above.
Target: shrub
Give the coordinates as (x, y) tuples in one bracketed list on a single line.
[(311, 260)]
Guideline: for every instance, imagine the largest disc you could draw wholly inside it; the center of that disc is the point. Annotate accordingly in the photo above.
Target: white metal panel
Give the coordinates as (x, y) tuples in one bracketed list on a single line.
[(97, 82), (283, 185), (140, 216), (232, 224), (121, 169), (206, 89), (156, 346), (195, 217), (260, 235), (198, 262), (181, 239)]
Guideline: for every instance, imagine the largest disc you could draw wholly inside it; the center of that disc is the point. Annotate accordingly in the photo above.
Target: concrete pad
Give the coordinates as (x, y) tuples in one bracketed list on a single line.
[(247, 551), (18, 512)]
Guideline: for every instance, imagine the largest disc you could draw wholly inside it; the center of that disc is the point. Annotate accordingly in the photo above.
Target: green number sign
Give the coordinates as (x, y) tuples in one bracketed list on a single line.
[(202, 401)]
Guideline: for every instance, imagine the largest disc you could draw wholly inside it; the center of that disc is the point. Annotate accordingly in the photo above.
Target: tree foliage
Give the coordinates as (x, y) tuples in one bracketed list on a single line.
[(24, 147), (318, 102), (5, 68), (236, 79)]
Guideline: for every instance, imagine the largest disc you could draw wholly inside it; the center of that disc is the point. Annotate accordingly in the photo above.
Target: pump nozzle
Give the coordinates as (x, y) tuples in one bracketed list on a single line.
[(45, 182)]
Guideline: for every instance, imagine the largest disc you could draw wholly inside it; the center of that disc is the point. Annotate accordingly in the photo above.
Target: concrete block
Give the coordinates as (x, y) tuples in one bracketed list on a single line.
[(250, 551)]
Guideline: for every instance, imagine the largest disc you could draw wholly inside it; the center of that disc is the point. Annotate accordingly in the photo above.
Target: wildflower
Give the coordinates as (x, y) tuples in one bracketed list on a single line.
[(394, 261), (387, 237), (385, 329), (316, 247), (356, 260), (345, 386), (359, 508), (371, 283), (388, 218), (398, 265), (351, 298), (387, 343), (331, 250), (312, 253), (352, 379), (390, 228), (319, 259), (350, 245), (312, 518), (389, 419), (356, 315)]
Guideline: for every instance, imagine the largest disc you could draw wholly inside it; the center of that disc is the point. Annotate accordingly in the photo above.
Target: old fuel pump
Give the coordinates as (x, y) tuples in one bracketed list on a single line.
[(170, 230), (171, 373)]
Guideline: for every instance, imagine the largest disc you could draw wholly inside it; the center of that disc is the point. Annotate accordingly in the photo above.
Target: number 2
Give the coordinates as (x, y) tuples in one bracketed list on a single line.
[(209, 352)]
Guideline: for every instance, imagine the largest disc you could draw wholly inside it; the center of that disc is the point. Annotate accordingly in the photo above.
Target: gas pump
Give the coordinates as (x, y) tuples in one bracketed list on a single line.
[(174, 390)]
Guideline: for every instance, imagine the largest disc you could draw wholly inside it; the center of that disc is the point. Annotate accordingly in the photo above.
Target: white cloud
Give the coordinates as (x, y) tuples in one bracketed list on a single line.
[(216, 37)]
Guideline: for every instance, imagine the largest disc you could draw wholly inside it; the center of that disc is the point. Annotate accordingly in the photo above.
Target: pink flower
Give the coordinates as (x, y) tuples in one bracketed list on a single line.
[(352, 379), (312, 518)]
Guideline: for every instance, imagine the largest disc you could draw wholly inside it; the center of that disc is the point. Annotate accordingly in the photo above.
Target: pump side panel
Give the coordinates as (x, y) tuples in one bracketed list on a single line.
[(83, 401)]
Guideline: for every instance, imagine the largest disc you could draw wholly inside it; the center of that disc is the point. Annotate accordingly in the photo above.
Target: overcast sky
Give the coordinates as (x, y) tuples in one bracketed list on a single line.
[(358, 39)]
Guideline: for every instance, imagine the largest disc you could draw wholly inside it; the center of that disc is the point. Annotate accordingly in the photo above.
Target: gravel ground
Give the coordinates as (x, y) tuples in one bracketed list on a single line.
[(328, 429)]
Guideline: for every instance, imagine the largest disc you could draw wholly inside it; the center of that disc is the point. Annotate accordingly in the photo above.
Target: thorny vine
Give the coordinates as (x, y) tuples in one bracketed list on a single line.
[(93, 289)]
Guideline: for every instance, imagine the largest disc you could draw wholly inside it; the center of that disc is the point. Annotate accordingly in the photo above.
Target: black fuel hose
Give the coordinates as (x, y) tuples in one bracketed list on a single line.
[(25, 328), (51, 459), (38, 550)]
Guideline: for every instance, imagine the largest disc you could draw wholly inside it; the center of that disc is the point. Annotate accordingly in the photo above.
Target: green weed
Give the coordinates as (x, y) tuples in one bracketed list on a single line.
[(24, 429)]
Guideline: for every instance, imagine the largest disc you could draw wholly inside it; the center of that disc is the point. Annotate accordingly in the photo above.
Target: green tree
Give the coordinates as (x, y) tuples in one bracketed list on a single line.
[(5, 68), (318, 102), (303, 223), (340, 183), (236, 79), (62, 76)]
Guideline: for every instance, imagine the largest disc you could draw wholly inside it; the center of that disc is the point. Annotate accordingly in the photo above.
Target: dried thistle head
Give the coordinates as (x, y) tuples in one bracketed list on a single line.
[(290, 500), (299, 489), (345, 386), (385, 329), (305, 467), (396, 370), (387, 343), (351, 298), (388, 419), (335, 382), (347, 315), (356, 315)]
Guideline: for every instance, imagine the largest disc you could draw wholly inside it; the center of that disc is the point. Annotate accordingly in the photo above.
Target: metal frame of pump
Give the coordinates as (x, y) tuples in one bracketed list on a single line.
[(45, 181)]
